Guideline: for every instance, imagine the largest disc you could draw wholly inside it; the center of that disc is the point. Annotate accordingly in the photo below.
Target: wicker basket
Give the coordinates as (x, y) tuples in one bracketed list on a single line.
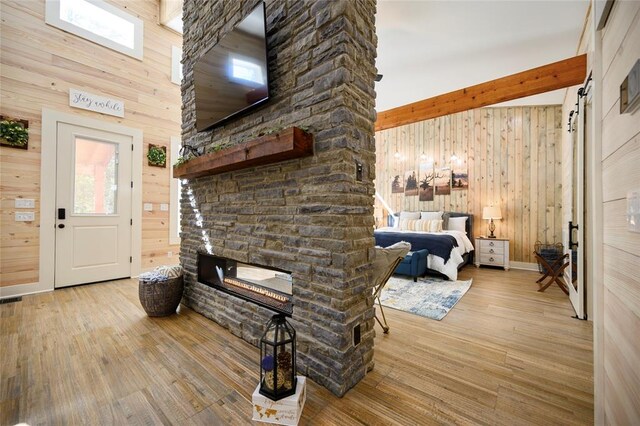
[(160, 299)]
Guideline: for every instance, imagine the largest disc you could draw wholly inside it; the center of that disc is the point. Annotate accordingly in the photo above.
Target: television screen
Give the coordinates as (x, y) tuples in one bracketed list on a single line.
[(231, 77)]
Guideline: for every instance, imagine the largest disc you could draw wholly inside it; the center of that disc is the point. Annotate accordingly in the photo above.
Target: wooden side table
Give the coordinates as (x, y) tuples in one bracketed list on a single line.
[(492, 251)]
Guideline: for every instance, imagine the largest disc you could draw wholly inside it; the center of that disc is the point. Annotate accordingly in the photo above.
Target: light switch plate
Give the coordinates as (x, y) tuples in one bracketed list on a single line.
[(25, 203), (633, 210), (164, 207), (148, 207), (25, 216)]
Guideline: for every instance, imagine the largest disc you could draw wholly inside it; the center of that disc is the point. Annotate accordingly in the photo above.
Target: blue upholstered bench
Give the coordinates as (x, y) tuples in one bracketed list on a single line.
[(414, 264)]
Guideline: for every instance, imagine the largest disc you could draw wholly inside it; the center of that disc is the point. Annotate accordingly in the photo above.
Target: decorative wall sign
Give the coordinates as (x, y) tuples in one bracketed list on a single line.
[(96, 103)]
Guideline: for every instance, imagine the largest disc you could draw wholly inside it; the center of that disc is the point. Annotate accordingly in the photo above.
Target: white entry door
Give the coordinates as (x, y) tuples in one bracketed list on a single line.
[(93, 205)]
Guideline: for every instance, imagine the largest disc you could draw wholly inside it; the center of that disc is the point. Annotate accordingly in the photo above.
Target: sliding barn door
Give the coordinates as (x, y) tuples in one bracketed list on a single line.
[(573, 201)]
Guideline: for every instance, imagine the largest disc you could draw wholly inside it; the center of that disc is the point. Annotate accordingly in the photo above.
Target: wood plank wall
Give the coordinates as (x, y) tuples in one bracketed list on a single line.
[(40, 64), (513, 157), (620, 173)]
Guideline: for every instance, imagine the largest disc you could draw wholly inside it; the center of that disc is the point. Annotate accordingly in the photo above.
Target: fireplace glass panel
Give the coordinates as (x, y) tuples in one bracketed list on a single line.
[(267, 287), (267, 278)]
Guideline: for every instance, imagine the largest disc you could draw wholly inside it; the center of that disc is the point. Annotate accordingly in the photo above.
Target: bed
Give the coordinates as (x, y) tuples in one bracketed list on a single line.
[(448, 250)]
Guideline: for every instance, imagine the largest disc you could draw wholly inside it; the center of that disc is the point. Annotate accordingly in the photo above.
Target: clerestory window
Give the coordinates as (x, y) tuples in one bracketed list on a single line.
[(99, 22)]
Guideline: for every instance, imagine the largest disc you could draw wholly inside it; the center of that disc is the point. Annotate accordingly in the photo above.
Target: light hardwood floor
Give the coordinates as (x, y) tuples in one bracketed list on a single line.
[(505, 355)]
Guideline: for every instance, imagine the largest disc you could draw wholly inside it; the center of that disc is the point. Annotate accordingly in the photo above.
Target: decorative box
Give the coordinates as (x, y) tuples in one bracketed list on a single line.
[(286, 411)]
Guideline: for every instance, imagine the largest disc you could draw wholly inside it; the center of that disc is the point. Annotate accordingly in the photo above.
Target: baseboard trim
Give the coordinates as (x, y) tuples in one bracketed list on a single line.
[(525, 266), (35, 288), (22, 290)]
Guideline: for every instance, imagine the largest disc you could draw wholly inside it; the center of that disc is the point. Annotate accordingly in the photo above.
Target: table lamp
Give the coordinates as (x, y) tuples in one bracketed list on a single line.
[(490, 213)]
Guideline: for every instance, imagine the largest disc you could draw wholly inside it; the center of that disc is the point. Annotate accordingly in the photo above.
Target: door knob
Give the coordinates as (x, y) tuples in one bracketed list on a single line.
[(61, 225)]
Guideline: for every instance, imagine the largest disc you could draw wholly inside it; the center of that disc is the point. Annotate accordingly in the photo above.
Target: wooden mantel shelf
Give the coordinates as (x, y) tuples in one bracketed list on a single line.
[(287, 144)]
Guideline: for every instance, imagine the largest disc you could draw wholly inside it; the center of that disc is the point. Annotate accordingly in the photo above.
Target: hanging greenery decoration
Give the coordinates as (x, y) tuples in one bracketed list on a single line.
[(14, 133), (157, 155)]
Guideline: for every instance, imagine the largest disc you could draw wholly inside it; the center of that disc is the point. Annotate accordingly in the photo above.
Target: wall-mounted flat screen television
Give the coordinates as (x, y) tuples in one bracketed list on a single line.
[(232, 76)]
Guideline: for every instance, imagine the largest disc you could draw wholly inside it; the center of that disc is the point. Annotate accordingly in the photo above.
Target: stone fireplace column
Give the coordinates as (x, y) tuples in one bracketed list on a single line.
[(311, 216)]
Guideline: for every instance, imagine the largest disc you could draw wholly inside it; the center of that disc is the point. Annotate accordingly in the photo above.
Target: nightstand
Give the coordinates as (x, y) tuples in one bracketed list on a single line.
[(492, 251)]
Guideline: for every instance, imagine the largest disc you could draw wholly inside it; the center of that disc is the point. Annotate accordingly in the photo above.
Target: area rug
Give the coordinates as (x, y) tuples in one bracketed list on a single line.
[(429, 297)]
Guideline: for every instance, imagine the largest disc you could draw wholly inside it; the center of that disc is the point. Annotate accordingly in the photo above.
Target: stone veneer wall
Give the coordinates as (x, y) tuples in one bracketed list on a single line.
[(309, 216)]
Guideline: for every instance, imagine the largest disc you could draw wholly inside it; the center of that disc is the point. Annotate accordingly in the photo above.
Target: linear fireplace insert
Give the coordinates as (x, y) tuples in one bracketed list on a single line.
[(267, 287)]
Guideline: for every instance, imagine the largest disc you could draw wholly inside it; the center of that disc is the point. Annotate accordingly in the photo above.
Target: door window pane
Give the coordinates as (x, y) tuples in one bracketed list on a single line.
[(95, 187)]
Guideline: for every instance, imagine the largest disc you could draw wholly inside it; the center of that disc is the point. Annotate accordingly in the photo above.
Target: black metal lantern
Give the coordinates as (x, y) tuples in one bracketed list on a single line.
[(278, 359)]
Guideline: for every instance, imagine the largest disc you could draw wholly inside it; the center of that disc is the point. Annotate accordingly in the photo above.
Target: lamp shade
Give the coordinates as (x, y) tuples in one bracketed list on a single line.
[(491, 212)]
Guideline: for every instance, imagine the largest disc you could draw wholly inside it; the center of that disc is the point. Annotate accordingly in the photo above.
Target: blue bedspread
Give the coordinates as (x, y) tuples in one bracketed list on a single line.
[(438, 244)]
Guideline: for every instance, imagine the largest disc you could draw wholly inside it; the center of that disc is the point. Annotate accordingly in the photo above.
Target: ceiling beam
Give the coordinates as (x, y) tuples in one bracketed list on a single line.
[(546, 78)]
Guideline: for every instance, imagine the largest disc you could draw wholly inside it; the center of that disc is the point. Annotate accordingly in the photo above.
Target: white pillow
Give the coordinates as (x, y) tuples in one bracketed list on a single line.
[(431, 215), (457, 224), (410, 215)]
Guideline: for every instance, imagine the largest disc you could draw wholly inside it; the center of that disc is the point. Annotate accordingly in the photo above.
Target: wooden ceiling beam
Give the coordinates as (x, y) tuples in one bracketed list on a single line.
[(565, 73)]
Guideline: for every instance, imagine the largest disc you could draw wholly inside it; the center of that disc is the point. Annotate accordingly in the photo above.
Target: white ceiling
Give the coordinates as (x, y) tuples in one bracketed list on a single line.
[(427, 48)]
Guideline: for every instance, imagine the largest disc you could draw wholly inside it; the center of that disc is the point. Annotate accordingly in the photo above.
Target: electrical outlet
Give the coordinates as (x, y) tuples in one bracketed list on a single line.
[(164, 207), (148, 207), (25, 203), (356, 335), (25, 216)]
